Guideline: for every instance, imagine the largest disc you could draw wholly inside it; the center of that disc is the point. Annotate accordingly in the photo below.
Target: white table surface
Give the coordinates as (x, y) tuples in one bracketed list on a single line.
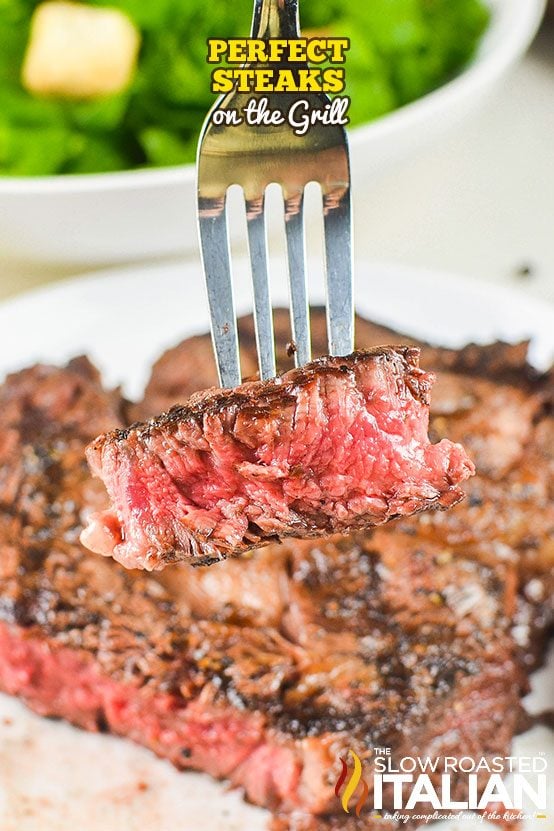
[(480, 203)]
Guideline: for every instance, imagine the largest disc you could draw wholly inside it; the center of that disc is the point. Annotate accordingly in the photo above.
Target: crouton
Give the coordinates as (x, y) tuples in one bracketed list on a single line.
[(79, 51)]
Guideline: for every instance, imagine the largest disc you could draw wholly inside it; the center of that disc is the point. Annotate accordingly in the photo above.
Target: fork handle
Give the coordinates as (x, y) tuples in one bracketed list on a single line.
[(275, 19)]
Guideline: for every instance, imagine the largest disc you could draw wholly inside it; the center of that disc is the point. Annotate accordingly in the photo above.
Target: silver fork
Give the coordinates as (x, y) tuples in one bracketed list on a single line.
[(254, 157)]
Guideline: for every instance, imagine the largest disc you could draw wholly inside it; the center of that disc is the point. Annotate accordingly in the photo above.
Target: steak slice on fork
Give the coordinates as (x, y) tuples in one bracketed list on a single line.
[(337, 445)]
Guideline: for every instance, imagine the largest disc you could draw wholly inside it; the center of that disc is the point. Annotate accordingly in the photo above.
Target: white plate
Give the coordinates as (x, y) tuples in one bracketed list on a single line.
[(105, 218), (56, 778)]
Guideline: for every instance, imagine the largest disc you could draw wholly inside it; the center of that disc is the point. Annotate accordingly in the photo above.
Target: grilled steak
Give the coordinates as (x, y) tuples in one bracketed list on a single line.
[(337, 445), (361, 657)]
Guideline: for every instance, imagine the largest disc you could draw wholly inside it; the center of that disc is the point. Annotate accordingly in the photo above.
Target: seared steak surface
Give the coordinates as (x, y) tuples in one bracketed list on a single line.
[(337, 445)]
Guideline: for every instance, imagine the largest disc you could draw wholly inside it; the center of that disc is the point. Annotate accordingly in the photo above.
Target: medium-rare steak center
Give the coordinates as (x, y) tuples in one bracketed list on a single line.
[(337, 445)]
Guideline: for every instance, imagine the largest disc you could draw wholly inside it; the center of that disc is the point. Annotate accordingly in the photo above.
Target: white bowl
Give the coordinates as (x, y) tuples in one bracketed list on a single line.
[(97, 219)]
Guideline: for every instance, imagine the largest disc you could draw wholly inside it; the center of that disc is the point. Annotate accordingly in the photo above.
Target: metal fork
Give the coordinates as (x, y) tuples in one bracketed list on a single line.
[(254, 157)]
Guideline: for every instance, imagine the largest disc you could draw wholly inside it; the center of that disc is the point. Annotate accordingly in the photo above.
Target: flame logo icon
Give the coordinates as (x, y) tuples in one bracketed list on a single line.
[(352, 784)]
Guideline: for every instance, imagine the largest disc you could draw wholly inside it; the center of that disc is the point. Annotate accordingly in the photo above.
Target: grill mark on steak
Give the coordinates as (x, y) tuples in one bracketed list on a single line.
[(271, 708), (337, 445)]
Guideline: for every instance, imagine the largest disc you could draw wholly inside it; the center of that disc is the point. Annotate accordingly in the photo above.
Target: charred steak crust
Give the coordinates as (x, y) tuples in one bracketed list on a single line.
[(404, 361), (337, 445), (356, 654)]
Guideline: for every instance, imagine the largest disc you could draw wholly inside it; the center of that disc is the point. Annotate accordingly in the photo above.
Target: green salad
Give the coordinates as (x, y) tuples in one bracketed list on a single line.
[(400, 50)]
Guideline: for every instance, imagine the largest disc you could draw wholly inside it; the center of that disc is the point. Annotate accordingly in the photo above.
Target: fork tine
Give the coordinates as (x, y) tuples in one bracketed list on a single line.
[(263, 313), (296, 251), (216, 258), (339, 281)]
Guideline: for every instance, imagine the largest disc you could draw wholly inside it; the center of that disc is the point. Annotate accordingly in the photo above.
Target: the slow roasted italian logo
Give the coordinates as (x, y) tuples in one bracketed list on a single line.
[(351, 784), (499, 788)]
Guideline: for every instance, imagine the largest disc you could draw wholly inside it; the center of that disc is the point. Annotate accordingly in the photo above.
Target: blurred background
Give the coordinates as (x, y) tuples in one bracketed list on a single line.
[(452, 154)]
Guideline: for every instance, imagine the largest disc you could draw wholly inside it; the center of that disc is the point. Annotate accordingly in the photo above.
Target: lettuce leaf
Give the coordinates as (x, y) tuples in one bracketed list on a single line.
[(401, 49)]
